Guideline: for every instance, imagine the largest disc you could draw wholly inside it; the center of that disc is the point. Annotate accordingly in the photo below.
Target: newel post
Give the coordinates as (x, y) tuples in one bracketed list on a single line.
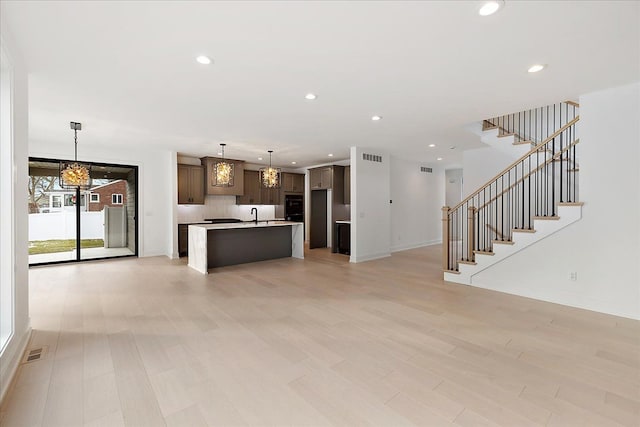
[(445, 237), (471, 218)]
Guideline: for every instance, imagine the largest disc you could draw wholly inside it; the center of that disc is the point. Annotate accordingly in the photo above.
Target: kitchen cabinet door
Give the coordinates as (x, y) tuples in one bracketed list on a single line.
[(190, 185), (292, 182), (252, 193), (297, 183), (327, 177), (270, 196), (321, 178)]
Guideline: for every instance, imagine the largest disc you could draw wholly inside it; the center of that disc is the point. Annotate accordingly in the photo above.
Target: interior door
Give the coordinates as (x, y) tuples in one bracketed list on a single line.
[(318, 219)]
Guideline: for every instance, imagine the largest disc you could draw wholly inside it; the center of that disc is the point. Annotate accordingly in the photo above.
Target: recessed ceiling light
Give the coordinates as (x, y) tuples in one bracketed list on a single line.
[(439, 158), (489, 8), (310, 96), (453, 147), (259, 158), (432, 145), (330, 154), (376, 118), (204, 60), (535, 68), (293, 163), (219, 153)]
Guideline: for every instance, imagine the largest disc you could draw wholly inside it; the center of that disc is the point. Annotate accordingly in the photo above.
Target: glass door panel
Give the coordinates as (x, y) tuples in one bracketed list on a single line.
[(52, 215), (108, 221)]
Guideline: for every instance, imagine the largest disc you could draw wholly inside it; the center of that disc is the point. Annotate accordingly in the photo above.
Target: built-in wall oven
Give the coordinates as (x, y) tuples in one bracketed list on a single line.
[(294, 207)]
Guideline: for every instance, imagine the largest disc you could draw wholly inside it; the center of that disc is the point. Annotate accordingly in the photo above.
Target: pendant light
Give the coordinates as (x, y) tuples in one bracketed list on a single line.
[(74, 174), (223, 172), (270, 177)]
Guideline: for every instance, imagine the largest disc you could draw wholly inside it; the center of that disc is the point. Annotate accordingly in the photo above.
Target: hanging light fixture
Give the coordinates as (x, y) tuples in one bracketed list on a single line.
[(270, 177), (74, 174), (223, 172)]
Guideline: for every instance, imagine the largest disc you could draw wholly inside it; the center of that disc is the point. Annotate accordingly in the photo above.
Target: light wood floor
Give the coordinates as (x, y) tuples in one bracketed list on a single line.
[(150, 342)]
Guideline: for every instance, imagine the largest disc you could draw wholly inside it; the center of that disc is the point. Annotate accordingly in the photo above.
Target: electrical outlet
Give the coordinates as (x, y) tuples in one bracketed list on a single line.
[(573, 276)]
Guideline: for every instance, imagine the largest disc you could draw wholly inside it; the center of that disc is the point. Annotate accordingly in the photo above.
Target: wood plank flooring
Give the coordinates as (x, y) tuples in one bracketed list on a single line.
[(314, 342)]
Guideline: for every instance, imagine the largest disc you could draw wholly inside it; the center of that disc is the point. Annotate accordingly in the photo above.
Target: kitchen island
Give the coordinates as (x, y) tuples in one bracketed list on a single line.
[(218, 245)]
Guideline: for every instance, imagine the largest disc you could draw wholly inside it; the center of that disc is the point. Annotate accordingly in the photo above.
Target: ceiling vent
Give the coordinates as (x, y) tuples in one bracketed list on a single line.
[(426, 169), (372, 157)]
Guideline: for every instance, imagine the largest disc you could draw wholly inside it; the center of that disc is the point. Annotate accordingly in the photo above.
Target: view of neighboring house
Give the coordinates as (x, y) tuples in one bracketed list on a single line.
[(62, 200), (112, 194)]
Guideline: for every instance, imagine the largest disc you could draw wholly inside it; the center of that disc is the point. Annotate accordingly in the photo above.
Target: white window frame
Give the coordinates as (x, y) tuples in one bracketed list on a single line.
[(97, 200), (116, 199), (7, 185)]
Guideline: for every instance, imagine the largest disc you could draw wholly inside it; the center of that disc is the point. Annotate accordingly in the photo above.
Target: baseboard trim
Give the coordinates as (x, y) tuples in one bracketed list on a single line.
[(415, 245), (9, 369), (371, 257), (152, 254)]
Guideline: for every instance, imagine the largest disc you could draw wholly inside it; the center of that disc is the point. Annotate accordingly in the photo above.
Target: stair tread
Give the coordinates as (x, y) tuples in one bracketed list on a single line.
[(571, 204), (522, 230), (547, 218), (523, 143), (483, 253), (503, 242), (451, 271), (467, 262), (504, 135)]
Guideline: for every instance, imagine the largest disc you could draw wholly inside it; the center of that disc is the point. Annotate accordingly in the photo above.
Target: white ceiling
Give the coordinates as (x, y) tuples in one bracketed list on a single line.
[(126, 70)]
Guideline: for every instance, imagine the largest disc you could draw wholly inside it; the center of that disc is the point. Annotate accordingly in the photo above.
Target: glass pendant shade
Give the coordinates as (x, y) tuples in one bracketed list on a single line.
[(75, 174), (223, 172), (270, 177)]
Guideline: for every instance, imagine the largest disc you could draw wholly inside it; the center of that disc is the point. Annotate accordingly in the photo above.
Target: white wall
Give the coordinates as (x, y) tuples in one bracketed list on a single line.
[(10, 356), (453, 187), (604, 247), (416, 210), (156, 184), (481, 165), (370, 208)]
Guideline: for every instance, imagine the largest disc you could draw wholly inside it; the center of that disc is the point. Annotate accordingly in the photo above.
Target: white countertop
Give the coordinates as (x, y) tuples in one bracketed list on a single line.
[(252, 224)]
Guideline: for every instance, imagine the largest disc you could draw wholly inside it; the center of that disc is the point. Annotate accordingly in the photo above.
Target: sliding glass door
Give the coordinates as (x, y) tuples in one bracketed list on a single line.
[(79, 224)]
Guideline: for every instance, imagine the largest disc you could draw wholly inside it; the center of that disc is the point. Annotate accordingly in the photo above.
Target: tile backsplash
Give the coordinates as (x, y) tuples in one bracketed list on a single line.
[(222, 207)]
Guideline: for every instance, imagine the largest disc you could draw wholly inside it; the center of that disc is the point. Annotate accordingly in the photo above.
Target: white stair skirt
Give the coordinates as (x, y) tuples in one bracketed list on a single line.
[(543, 228)]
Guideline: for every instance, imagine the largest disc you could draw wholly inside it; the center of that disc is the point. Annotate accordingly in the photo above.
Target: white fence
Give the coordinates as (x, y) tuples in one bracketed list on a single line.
[(62, 225)]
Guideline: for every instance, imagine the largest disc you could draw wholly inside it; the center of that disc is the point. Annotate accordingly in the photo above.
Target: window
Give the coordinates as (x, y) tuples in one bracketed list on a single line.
[(116, 199), (70, 200), (94, 198), (56, 201)]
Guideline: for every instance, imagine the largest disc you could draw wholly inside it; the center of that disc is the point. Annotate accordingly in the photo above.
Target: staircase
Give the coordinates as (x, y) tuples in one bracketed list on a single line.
[(534, 197)]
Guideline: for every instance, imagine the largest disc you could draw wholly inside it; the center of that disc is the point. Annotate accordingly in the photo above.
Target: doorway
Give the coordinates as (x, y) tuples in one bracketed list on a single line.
[(70, 225)]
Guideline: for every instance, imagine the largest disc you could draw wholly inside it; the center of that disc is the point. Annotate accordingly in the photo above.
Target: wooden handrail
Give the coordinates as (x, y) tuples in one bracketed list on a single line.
[(575, 104), (532, 151), (559, 153)]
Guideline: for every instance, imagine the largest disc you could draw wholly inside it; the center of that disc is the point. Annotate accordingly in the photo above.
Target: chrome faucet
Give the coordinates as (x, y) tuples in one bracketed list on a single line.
[(255, 218)]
